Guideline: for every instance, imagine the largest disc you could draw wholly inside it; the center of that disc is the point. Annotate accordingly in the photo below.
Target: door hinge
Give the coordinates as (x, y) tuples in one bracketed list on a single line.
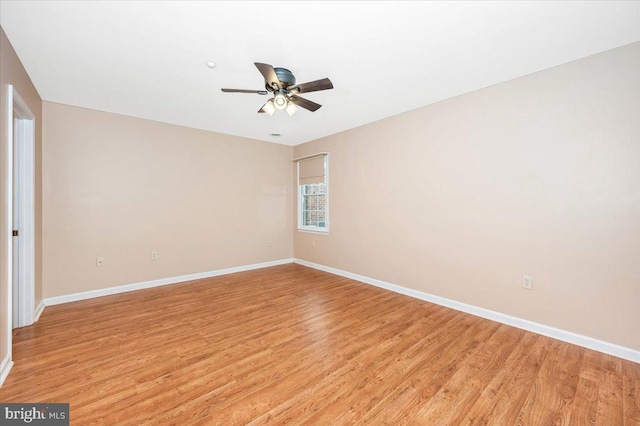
[(15, 232)]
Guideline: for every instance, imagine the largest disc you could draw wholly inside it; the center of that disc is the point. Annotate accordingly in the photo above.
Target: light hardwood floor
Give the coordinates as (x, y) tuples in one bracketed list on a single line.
[(294, 345)]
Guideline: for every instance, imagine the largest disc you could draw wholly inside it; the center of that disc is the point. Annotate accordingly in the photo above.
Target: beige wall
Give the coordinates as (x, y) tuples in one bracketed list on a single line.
[(537, 176), (121, 187), (13, 73)]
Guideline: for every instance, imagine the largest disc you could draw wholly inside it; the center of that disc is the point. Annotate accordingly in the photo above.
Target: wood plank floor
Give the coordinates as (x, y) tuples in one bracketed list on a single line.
[(294, 345)]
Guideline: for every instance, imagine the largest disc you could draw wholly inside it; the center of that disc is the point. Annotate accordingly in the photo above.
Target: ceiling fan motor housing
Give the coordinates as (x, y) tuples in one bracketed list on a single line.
[(285, 76)]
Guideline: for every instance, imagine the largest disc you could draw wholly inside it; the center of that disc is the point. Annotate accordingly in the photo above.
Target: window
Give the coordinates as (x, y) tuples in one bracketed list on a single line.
[(313, 194)]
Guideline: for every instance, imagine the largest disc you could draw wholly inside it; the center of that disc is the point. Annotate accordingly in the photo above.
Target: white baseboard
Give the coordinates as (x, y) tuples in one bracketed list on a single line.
[(50, 301), (5, 367), (545, 330), (38, 311)]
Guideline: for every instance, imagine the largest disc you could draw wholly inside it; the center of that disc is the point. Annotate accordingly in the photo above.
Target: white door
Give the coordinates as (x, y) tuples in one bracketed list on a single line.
[(16, 226), (23, 215)]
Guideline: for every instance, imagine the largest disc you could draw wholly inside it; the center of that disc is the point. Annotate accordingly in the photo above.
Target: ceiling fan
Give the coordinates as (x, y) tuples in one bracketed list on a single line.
[(282, 83)]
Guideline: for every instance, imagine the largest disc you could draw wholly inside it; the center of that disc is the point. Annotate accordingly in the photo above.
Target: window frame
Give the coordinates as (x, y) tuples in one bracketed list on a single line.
[(299, 190)]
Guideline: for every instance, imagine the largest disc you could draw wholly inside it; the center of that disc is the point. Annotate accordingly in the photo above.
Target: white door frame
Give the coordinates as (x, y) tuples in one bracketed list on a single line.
[(22, 136)]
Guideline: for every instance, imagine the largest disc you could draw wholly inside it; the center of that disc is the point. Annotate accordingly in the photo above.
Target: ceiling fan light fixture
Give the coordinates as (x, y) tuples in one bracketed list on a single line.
[(291, 108), (280, 101), (269, 107), (282, 84)]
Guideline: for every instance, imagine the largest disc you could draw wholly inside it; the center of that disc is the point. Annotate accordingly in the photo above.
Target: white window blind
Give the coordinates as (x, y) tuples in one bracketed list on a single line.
[(311, 171)]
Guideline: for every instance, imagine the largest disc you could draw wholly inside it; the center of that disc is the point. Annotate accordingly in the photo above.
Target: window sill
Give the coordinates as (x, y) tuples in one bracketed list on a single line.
[(314, 231)]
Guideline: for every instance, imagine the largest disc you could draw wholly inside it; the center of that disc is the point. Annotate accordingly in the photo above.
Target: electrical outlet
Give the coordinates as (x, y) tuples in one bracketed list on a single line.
[(313, 244), (527, 282), (154, 255), (269, 243), (99, 261)]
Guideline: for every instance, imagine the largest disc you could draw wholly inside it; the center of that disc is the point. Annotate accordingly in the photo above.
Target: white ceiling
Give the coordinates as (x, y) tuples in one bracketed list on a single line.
[(147, 59)]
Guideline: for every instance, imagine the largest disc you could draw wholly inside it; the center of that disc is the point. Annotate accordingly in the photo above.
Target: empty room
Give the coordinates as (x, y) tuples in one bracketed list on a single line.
[(320, 213)]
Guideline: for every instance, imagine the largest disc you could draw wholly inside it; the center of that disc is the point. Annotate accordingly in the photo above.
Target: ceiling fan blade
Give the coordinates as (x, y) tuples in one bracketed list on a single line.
[(259, 92), (313, 86), (269, 75), (305, 103)]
